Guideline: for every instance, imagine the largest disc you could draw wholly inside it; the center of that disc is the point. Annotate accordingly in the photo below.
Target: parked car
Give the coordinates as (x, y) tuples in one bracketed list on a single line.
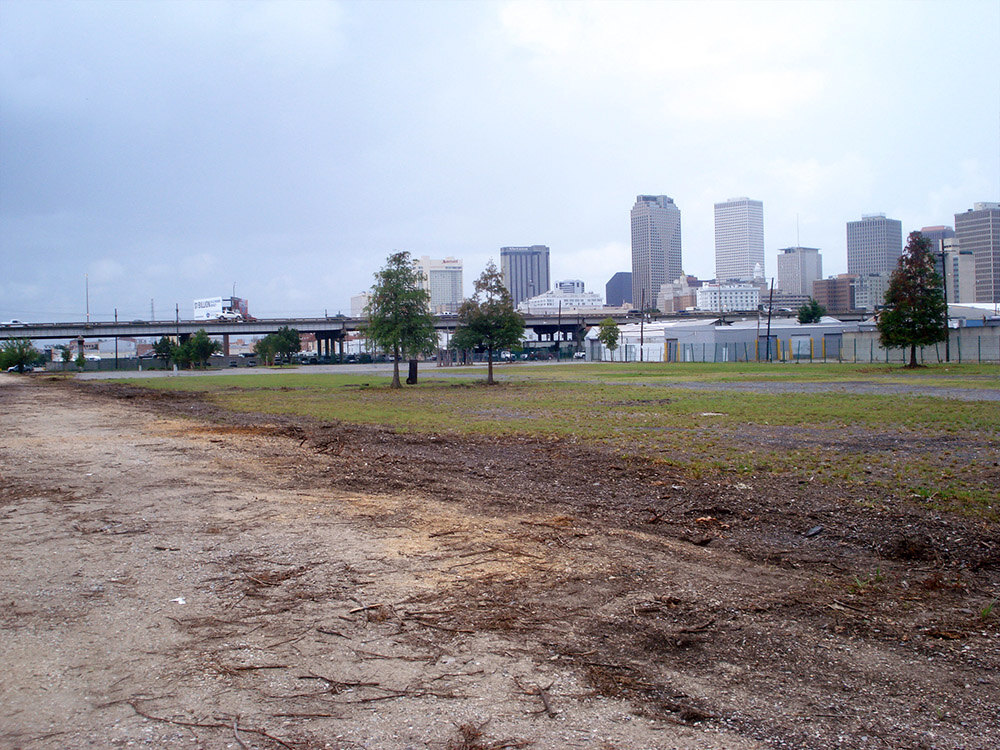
[(14, 368)]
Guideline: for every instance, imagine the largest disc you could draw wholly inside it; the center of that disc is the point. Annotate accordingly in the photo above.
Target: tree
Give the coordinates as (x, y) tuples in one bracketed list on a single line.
[(265, 348), (200, 347), (608, 335), (287, 341), (65, 353), (17, 352), (915, 312), (811, 312), (398, 317), (164, 349), (488, 320)]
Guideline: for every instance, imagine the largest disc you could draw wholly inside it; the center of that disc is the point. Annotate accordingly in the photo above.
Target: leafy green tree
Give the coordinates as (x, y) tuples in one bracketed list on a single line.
[(65, 353), (80, 361), (287, 341), (811, 312), (608, 335), (398, 318), (266, 348), (17, 352), (488, 320), (164, 349), (201, 347), (915, 312)]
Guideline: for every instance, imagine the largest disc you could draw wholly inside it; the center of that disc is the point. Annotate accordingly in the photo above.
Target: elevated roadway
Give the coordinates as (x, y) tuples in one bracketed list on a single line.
[(325, 329)]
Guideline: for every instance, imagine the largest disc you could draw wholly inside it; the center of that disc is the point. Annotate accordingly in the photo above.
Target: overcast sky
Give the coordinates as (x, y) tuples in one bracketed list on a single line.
[(167, 150)]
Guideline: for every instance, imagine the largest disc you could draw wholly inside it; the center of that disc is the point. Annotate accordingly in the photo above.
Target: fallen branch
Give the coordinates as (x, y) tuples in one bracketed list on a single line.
[(206, 725), (236, 734)]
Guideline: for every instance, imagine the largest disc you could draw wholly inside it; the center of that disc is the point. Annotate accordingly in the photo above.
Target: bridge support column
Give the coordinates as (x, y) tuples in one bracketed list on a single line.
[(225, 344), (79, 346)]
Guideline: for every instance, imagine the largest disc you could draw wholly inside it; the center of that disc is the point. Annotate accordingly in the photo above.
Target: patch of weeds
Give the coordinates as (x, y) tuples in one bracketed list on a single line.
[(988, 611), (861, 585), (470, 736)]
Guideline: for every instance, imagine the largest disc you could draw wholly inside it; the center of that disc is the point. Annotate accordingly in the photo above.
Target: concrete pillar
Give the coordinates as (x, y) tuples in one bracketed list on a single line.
[(225, 344), (79, 346)]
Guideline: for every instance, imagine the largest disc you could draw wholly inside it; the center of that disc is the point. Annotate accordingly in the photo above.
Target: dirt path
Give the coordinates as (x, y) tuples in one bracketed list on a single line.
[(256, 583)]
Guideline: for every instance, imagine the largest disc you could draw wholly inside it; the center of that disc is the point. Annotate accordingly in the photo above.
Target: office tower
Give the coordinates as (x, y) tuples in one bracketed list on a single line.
[(525, 271), (836, 294), (960, 279), (739, 240), (978, 230), (443, 279), (656, 246), (798, 268), (618, 290), (570, 286), (874, 244), (939, 236)]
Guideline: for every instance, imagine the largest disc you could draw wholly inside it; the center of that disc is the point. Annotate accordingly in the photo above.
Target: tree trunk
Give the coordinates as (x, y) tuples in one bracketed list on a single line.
[(489, 371), (913, 355), (395, 368)]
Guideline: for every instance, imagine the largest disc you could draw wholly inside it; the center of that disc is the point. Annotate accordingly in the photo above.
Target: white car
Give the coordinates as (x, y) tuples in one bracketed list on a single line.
[(231, 316), (13, 323)]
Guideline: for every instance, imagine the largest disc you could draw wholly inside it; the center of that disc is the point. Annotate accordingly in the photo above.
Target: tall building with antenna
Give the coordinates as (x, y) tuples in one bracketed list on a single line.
[(656, 246)]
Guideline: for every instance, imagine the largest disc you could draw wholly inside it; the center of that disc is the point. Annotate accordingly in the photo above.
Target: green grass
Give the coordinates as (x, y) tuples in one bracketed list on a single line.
[(633, 409)]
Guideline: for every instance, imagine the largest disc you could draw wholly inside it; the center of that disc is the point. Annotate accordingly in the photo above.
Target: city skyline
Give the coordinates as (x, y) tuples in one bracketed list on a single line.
[(289, 148)]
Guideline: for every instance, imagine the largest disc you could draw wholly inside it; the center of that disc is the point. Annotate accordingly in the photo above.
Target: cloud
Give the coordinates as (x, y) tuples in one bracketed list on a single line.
[(690, 60), (811, 177), (105, 271)]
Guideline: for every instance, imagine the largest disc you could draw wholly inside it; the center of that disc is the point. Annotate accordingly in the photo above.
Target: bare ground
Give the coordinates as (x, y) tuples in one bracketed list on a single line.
[(174, 575)]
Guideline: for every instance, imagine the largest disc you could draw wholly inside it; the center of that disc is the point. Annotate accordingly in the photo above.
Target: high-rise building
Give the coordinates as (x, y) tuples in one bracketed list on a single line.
[(618, 290), (960, 272), (836, 293), (874, 244), (739, 240), (978, 230), (443, 279), (938, 236), (525, 271), (656, 246), (798, 268)]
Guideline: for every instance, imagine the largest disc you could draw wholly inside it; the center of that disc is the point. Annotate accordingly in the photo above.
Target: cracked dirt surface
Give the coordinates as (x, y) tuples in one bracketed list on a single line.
[(178, 576)]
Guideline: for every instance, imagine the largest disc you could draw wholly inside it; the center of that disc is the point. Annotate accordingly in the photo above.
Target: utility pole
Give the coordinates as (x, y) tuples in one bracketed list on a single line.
[(86, 284), (642, 323), (770, 306), (944, 288)]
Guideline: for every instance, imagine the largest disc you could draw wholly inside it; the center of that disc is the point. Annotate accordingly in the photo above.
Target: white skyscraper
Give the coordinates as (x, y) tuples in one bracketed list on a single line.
[(656, 246), (443, 279), (739, 239)]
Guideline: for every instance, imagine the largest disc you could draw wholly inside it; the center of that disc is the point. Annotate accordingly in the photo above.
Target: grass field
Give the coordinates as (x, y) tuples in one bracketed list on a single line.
[(938, 451)]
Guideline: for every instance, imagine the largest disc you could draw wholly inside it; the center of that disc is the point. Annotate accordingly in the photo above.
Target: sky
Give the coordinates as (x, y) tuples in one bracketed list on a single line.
[(153, 153)]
